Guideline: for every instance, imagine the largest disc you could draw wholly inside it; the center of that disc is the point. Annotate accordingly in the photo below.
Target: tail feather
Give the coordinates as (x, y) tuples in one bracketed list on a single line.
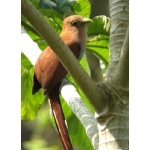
[(59, 118)]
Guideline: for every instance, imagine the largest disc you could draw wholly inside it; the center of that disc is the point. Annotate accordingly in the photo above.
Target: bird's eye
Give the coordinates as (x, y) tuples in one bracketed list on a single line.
[(74, 23)]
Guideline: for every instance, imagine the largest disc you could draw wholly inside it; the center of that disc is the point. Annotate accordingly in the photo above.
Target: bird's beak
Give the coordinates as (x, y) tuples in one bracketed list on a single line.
[(87, 20)]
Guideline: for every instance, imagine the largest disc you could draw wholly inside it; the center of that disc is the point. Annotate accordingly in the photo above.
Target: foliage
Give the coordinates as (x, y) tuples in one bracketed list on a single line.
[(97, 42), (30, 104)]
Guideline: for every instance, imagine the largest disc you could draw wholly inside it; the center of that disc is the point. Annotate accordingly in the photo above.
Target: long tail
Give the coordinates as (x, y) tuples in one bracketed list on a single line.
[(59, 118)]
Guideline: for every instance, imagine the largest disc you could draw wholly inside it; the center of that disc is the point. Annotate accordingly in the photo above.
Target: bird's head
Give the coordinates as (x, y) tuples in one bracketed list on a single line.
[(74, 29), (75, 22)]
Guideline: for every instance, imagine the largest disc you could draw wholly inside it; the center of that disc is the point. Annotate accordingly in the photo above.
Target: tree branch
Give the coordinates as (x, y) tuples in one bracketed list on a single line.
[(65, 55), (122, 72), (119, 23), (81, 111), (95, 67)]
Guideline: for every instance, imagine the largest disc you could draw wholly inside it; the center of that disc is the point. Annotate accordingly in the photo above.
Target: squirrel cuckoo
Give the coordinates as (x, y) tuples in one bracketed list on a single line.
[(49, 71)]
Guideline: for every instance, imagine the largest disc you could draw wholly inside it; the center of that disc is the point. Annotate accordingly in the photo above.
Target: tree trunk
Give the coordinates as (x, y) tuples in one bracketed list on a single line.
[(114, 127)]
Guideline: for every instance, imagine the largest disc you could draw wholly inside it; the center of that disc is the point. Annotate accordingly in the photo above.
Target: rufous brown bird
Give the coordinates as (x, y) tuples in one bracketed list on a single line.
[(49, 71)]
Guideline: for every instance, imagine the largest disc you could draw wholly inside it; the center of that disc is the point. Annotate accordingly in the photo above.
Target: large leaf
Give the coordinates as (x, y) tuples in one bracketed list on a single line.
[(82, 7), (98, 37), (30, 104)]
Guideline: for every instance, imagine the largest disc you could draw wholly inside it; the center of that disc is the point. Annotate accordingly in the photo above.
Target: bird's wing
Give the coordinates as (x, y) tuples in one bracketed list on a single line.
[(49, 75)]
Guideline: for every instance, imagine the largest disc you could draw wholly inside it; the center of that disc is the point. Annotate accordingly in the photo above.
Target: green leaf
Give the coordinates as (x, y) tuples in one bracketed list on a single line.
[(100, 48), (30, 104), (82, 7), (53, 14), (64, 5), (55, 25), (78, 134), (47, 4), (100, 25), (98, 37), (41, 43), (58, 5)]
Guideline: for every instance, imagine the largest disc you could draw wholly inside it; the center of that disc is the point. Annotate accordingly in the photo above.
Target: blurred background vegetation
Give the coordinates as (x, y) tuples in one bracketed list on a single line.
[(37, 132)]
